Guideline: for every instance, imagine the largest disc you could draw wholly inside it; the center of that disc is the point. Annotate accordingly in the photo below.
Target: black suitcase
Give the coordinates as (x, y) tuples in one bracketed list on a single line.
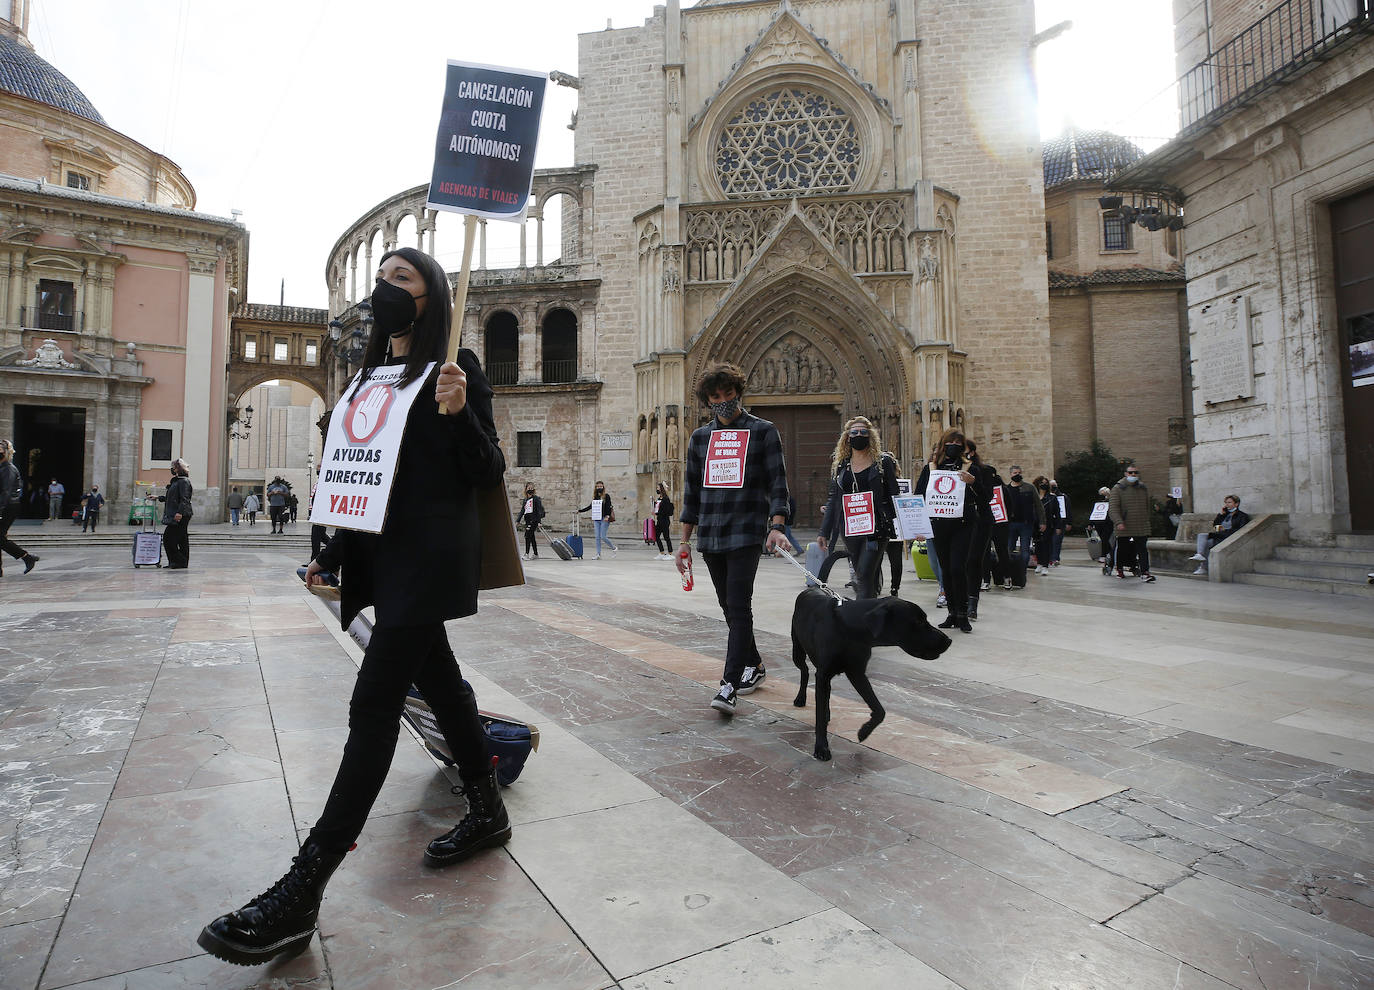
[(1017, 566)]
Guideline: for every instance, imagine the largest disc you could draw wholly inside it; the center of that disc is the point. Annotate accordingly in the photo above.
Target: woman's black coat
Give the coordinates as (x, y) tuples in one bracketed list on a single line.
[(976, 492), (425, 564)]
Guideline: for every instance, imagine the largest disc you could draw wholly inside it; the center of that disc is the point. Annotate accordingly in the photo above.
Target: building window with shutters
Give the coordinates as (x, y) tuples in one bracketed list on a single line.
[(529, 449), (250, 348), (279, 349), (56, 305)]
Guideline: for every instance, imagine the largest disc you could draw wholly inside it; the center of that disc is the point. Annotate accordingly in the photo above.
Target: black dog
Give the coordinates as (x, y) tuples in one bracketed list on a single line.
[(839, 638)]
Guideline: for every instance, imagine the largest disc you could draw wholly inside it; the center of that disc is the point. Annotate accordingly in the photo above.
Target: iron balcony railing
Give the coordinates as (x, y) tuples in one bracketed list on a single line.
[(560, 371), (1289, 37), (503, 372)]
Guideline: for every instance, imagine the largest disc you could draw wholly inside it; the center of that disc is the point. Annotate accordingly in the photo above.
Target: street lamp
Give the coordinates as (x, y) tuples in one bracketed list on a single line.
[(236, 421), (351, 348)]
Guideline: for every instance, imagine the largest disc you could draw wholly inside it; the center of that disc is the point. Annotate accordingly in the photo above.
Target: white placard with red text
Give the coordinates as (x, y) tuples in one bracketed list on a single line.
[(725, 454), (945, 495), (359, 461), (999, 505), (1099, 511), (858, 514), (1063, 506)]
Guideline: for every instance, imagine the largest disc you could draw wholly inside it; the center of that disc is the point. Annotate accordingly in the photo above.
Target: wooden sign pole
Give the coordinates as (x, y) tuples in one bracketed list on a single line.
[(460, 294)]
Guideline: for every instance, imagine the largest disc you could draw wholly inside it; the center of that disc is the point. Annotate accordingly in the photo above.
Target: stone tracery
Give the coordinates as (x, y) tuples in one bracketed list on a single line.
[(790, 139)]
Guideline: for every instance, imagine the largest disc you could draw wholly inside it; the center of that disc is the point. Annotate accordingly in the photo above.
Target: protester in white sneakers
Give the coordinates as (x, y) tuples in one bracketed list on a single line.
[(1229, 521)]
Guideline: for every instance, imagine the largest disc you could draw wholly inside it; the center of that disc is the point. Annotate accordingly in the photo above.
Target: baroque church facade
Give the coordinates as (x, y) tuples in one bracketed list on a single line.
[(842, 197)]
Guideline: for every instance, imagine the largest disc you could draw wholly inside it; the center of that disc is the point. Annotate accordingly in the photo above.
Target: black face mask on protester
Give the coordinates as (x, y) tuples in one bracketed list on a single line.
[(393, 308), (858, 443), (954, 451), (1016, 478)]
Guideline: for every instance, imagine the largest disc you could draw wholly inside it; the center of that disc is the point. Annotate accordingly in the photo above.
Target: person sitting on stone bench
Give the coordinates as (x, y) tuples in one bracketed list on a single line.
[(1227, 522)]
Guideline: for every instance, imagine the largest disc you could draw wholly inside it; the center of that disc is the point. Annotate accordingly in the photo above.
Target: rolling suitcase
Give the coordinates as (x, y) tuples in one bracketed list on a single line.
[(510, 741), (649, 532), (574, 539), (147, 548), (1017, 567), (815, 558), (560, 547), (921, 561)]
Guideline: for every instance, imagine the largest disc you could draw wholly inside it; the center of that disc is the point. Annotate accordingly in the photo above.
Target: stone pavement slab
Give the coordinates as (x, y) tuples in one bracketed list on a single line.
[(1108, 784)]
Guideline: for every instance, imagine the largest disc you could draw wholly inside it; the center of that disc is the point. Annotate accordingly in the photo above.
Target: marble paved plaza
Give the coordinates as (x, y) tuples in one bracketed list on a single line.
[(1107, 785)]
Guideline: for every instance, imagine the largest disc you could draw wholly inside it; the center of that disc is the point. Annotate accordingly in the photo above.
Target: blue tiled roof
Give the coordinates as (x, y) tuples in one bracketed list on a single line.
[(24, 73), (1079, 154)]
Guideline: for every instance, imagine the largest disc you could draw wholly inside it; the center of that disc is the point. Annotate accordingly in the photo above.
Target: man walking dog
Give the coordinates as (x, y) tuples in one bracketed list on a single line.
[(734, 480)]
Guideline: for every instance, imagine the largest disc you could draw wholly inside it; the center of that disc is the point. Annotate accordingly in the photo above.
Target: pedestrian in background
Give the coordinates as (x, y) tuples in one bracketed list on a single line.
[(93, 502), (603, 521), (56, 493), (251, 505), (235, 503), (1044, 537), (1062, 526), (276, 504), (1128, 507), (292, 503), (11, 501), (663, 521), (531, 514), (1026, 515), (176, 516), (980, 562), (859, 467)]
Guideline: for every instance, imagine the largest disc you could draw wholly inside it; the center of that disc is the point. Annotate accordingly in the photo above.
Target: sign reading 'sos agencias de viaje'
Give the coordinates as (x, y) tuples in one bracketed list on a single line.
[(484, 152)]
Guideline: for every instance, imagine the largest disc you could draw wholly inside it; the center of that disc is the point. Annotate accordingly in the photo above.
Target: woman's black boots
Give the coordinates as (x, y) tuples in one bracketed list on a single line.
[(278, 922), (486, 824)]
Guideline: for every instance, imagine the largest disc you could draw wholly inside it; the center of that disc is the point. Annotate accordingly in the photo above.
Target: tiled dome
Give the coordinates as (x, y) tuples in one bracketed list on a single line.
[(1079, 154), (24, 73)]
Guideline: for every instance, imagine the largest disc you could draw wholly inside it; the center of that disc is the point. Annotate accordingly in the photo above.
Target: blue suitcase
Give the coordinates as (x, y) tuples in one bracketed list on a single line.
[(574, 540)]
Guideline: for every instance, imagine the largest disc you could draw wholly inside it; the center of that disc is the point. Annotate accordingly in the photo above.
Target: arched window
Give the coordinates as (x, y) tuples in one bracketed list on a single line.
[(503, 349), (790, 140), (560, 346)]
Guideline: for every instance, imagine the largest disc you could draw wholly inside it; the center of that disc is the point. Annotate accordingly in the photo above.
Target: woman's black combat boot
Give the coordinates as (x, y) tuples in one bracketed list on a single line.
[(278, 922), (486, 824)]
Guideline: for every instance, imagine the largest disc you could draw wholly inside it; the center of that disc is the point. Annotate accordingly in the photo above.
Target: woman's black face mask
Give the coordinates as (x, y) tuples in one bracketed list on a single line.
[(954, 451), (858, 441), (393, 308)]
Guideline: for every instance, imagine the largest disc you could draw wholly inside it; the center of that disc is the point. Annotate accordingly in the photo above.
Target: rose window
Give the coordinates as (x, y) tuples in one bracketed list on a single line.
[(789, 140)]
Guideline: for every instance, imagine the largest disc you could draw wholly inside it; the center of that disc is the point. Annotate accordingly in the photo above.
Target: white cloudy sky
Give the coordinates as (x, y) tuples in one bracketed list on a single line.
[(306, 113)]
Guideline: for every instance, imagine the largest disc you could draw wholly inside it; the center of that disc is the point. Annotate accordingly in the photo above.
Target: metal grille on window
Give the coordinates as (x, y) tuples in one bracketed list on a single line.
[(790, 139), (529, 449)]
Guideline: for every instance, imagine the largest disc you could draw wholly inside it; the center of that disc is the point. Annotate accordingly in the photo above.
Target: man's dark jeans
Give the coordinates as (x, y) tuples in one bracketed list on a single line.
[(1019, 536), (732, 572)]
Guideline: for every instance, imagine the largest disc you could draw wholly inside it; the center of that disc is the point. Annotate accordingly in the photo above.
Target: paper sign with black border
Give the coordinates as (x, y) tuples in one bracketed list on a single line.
[(484, 151)]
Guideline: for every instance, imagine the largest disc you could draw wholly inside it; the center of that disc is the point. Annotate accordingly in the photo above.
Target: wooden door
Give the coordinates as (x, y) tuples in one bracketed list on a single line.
[(808, 439), (1352, 225)]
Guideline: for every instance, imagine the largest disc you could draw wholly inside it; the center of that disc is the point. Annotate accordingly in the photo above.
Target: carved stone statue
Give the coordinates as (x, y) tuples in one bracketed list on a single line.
[(672, 438), (653, 441)]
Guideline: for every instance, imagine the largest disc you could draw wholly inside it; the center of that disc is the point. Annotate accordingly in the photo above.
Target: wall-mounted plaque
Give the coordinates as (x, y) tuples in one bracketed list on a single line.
[(1225, 370)]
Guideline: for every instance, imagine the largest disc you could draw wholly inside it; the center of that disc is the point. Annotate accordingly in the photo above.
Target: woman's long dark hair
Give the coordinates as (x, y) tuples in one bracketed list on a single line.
[(429, 339)]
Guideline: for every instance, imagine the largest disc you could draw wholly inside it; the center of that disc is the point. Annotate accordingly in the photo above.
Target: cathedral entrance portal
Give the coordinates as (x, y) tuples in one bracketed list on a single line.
[(50, 442), (808, 439)]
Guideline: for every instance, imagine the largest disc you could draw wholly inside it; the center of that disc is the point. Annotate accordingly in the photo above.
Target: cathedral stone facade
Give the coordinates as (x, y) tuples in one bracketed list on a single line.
[(843, 197)]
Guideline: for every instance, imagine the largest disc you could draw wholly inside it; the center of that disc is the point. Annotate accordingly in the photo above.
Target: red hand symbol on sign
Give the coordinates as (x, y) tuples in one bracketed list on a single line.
[(945, 485), (367, 413)]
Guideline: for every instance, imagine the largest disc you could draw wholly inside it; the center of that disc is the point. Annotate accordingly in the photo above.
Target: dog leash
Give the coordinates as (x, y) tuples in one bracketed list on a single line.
[(819, 583)]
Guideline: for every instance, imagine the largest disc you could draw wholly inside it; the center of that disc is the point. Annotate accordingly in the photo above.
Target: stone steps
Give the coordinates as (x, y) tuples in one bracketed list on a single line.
[(1326, 555), (1356, 541), (1333, 571), (37, 540), (1316, 585)]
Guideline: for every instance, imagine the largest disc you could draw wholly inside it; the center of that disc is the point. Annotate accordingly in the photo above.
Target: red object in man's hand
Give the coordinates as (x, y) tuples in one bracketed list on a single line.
[(684, 567)]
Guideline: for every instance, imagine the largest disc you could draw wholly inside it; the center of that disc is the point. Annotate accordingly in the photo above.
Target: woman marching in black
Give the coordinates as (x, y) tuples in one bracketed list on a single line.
[(663, 521), (860, 467), (954, 538), (176, 516), (431, 531)]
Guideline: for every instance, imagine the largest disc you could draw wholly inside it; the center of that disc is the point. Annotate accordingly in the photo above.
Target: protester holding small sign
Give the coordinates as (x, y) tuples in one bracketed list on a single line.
[(860, 507), (735, 482), (421, 568), (945, 482), (603, 514)]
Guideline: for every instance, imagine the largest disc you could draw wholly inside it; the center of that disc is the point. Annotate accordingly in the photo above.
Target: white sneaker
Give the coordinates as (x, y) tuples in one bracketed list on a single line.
[(1197, 556), (597, 557), (1200, 570), (1041, 570)]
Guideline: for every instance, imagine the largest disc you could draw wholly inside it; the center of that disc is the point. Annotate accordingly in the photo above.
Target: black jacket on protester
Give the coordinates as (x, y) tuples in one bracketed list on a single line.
[(531, 520), (976, 493), (178, 500), (425, 564), (881, 482)]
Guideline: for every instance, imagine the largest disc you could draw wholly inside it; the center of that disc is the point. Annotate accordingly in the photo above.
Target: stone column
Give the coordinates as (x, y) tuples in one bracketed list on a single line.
[(529, 342), (196, 421)]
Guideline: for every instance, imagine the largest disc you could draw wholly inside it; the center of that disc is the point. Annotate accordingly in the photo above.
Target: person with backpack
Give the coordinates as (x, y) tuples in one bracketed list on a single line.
[(176, 516), (251, 505), (869, 477), (531, 514), (663, 521), (11, 500)]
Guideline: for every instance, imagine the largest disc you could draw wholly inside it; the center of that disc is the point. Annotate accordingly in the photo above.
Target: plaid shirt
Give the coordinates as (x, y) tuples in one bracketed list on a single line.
[(733, 518)]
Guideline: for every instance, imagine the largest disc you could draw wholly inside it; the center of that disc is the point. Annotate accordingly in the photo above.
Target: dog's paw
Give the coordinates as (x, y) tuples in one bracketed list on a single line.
[(800, 700), (867, 728), (822, 752)]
